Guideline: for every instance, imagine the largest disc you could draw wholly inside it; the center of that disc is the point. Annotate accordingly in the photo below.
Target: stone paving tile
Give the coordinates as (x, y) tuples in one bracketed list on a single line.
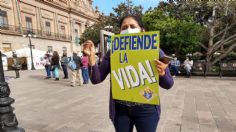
[(208, 128), (205, 117), (172, 127), (194, 104)]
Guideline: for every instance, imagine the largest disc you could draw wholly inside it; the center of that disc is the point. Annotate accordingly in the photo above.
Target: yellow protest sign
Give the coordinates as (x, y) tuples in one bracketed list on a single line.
[(134, 76)]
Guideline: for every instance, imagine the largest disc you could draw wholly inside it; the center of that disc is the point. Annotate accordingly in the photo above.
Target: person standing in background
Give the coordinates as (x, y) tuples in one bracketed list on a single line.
[(55, 64), (47, 65), (84, 68), (16, 64), (50, 60), (64, 62), (76, 73)]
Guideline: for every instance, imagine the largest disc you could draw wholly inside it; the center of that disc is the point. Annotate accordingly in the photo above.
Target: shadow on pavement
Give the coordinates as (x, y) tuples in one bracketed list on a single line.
[(64, 82)]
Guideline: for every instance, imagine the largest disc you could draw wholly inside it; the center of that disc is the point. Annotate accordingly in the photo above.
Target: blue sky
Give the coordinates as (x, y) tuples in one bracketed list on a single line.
[(106, 5)]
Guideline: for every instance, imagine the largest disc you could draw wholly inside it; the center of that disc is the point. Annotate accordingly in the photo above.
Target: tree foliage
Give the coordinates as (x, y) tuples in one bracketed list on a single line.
[(220, 19), (92, 32), (185, 26), (180, 34), (112, 20)]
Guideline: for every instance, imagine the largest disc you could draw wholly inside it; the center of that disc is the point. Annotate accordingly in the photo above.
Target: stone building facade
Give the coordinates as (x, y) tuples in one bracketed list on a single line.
[(54, 25)]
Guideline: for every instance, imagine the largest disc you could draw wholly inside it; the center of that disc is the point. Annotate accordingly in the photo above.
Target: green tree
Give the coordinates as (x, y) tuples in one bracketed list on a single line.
[(220, 20), (180, 34), (92, 32), (112, 19), (123, 9)]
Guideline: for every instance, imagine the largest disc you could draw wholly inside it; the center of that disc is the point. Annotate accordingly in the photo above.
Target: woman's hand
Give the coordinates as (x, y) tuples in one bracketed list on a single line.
[(89, 49), (161, 67)]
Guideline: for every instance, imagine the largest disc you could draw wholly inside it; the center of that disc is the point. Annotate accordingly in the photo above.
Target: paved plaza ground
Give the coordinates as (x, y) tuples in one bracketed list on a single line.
[(194, 104)]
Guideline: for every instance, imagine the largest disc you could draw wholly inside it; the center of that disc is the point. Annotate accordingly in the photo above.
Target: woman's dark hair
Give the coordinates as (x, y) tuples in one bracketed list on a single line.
[(47, 55), (136, 18), (64, 54), (55, 54)]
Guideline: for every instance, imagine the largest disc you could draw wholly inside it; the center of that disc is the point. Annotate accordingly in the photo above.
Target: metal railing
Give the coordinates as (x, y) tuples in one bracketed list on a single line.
[(38, 33), (10, 28)]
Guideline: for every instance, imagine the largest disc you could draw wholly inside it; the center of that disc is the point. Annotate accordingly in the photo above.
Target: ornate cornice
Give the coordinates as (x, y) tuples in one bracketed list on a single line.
[(5, 4), (54, 4), (82, 14), (71, 9)]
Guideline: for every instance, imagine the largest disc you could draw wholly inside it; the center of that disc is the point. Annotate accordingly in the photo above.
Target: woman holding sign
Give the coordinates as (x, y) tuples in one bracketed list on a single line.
[(125, 114)]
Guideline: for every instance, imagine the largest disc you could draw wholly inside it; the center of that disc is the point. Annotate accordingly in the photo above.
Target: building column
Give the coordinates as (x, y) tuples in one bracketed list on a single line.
[(56, 30), (83, 27), (17, 14), (38, 17), (71, 22)]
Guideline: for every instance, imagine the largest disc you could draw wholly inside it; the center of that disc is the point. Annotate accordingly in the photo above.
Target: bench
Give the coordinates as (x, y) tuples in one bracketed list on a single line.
[(227, 66), (199, 66)]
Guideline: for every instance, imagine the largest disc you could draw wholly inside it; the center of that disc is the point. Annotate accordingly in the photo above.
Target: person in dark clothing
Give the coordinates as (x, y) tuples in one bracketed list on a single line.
[(16, 64), (47, 65), (126, 114), (76, 74), (55, 65), (64, 62)]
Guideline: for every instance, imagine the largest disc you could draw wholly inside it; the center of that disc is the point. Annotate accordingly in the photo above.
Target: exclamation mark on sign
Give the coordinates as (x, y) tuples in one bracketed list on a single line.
[(150, 71)]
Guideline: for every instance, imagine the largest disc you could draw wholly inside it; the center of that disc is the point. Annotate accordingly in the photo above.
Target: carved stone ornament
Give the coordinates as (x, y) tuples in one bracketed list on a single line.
[(4, 90), (8, 120), (4, 1)]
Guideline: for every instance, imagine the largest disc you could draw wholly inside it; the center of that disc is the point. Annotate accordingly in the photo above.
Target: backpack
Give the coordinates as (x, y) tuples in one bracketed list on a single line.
[(80, 62), (72, 64)]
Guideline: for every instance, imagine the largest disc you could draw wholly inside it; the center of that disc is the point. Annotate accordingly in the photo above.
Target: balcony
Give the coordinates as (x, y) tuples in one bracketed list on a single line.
[(14, 30), (9, 29)]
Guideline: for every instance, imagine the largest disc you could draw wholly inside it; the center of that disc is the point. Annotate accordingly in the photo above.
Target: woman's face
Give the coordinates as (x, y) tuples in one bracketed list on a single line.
[(88, 44), (129, 23)]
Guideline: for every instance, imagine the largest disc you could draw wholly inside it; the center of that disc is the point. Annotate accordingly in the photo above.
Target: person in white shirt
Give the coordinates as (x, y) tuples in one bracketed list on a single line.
[(188, 63)]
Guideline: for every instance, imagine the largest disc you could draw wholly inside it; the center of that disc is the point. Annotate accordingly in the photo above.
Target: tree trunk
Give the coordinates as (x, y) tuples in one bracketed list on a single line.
[(208, 63), (211, 42), (210, 50)]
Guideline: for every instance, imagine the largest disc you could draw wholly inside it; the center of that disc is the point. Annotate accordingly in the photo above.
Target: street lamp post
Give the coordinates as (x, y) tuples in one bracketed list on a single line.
[(32, 60), (31, 54), (8, 119)]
